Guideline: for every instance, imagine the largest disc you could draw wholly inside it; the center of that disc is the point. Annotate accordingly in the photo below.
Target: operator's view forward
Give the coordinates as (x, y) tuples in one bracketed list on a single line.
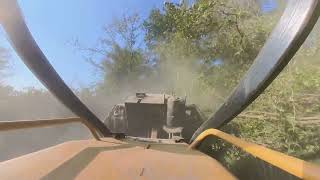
[(160, 89)]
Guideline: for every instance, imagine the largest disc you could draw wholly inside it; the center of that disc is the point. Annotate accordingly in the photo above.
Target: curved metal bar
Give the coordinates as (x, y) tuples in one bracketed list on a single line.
[(293, 28), (26, 47), (25, 124), (292, 165)]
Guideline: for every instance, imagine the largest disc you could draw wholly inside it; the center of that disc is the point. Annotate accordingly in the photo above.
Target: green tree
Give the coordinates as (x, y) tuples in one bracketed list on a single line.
[(211, 42), (209, 30), (123, 61)]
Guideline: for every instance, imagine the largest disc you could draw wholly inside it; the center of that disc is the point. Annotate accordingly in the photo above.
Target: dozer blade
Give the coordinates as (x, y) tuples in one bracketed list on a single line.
[(291, 31), (22, 41)]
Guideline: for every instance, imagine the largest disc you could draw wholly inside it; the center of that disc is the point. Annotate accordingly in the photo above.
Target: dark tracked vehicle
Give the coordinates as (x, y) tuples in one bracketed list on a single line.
[(155, 116)]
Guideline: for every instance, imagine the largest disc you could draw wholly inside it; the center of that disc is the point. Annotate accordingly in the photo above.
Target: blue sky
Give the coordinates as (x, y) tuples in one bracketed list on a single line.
[(55, 23), (268, 5)]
